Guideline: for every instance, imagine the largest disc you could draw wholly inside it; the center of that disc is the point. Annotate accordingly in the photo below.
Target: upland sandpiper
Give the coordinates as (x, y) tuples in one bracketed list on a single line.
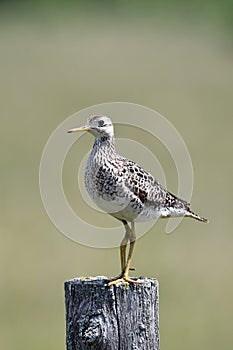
[(125, 190)]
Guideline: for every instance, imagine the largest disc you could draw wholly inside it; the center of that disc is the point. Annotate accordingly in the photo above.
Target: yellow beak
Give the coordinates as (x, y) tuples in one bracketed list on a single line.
[(82, 128)]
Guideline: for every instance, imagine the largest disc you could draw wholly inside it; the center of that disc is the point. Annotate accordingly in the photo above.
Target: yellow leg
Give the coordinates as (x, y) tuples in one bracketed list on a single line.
[(132, 239), (124, 245), (124, 277)]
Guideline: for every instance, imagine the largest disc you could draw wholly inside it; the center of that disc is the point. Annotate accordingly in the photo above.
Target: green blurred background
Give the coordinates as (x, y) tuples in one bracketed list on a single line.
[(60, 57)]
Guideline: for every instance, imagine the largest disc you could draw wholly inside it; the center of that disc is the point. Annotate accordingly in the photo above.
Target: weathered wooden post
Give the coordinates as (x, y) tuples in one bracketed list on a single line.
[(122, 317)]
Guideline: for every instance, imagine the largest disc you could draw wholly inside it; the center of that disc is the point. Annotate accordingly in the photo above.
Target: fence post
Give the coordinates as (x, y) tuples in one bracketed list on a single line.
[(122, 317)]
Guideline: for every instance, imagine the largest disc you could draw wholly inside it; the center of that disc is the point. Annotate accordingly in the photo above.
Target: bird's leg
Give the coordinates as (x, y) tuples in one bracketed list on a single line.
[(132, 239), (124, 245), (124, 276)]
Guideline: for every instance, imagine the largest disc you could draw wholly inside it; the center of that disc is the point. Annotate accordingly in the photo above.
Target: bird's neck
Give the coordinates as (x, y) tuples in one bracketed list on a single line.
[(105, 145)]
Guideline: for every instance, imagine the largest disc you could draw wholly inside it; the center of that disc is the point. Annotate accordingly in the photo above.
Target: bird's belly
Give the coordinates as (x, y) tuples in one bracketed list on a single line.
[(112, 204), (109, 195), (113, 199), (104, 193)]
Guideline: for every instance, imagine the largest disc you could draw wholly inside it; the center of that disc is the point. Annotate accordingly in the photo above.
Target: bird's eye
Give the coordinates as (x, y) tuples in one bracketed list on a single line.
[(101, 123)]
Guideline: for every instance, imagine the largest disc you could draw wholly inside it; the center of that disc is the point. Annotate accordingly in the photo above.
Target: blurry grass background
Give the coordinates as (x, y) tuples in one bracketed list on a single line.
[(60, 57)]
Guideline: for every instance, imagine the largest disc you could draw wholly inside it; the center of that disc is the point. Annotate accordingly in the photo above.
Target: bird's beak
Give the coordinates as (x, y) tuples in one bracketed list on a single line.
[(82, 128)]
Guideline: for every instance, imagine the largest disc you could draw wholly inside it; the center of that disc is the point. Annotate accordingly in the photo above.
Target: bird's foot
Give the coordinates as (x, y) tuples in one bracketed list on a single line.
[(122, 279)]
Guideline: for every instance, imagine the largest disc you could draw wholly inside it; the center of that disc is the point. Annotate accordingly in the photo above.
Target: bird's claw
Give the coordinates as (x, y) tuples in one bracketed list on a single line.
[(123, 279)]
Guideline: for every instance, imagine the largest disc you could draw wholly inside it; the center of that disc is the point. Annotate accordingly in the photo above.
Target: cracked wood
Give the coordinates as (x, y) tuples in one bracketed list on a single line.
[(119, 317)]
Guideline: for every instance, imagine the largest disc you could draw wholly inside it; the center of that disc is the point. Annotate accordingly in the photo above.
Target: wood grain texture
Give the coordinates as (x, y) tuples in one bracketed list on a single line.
[(119, 317)]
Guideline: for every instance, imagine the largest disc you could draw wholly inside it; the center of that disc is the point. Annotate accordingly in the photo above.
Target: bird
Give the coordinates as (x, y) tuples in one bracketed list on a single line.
[(123, 189)]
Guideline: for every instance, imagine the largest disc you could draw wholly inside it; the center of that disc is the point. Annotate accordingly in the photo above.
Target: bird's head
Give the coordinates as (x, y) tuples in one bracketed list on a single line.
[(97, 125)]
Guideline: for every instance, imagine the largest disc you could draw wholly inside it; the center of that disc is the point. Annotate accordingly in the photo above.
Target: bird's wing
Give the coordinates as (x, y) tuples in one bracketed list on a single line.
[(146, 188)]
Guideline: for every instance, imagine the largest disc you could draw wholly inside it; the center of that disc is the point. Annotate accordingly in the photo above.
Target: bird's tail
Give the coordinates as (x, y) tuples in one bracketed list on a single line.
[(191, 214)]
